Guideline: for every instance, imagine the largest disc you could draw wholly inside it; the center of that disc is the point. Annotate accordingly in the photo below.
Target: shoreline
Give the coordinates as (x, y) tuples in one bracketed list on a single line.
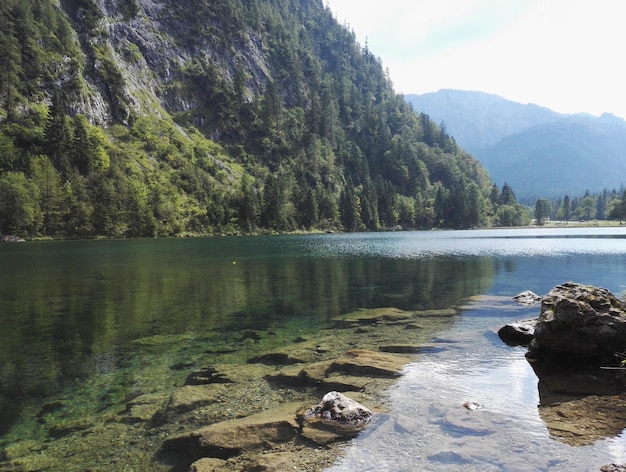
[(547, 225)]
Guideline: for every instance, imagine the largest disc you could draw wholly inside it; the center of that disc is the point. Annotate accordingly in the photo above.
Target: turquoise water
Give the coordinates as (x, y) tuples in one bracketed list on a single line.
[(86, 324)]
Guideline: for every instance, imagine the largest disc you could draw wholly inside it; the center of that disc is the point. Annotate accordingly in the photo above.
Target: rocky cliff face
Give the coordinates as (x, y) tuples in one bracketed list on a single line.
[(140, 55)]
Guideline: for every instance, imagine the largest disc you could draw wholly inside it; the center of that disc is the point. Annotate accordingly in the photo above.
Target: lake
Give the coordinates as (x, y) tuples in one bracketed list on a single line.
[(86, 323)]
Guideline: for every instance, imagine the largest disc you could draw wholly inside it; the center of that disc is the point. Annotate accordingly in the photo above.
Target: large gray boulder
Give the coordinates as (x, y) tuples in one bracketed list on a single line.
[(579, 321)]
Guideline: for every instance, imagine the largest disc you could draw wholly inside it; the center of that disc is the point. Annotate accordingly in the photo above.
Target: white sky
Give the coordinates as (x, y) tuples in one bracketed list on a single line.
[(567, 55)]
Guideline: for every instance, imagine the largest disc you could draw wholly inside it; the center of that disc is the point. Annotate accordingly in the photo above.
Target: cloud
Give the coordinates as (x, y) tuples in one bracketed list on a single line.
[(561, 54)]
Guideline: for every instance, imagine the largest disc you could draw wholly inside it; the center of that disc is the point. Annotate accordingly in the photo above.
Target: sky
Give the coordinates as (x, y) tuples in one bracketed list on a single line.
[(566, 55)]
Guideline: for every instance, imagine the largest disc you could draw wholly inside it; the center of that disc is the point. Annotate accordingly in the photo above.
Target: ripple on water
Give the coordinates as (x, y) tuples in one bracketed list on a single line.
[(430, 429)]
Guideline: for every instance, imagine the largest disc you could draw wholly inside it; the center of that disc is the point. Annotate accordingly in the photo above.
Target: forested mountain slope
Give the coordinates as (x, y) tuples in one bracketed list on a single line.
[(568, 157), (125, 118)]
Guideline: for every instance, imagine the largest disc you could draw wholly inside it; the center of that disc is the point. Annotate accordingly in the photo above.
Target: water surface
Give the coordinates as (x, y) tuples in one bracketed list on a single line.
[(85, 324), (428, 428)]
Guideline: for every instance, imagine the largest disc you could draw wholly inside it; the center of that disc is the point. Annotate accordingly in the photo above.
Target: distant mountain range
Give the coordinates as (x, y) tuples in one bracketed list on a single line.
[(539, 152)]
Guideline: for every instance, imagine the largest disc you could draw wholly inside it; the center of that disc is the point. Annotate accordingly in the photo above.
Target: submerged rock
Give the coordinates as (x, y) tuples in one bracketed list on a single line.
[(579, 320), (527, 298), (191, 397), (356, 370), (143, 408), (205, 376), (372, 316), (207, 464), (259, 438), (401, 348), (230, 438), (64, 428), (366, 362), (581, 421)]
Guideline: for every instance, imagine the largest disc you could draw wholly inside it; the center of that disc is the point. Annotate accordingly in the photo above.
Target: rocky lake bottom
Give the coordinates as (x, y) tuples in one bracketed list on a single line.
[(197, 416), (361, 354)]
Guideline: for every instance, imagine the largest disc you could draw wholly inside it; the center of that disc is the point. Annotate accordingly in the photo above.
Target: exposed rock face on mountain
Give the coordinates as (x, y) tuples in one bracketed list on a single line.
[(150, 44)]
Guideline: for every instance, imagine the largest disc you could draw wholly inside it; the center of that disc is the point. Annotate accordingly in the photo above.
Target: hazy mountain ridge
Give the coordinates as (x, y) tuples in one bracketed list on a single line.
[(539, 152), (478, 119)]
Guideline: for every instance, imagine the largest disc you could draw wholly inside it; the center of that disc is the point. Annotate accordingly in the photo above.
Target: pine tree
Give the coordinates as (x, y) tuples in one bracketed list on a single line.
[(567, 210), (58, 135), (10, 59)]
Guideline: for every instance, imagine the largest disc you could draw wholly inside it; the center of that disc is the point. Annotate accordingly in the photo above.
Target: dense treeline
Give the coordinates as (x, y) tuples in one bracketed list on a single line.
[(243, 117), (605, 205)]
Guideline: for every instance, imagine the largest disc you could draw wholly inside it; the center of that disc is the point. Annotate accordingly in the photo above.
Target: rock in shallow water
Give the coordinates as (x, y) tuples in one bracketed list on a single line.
[(527, 298), (579, 320), (518, 333), (335, 418), (336, 407), (230, 438), (614, 468)]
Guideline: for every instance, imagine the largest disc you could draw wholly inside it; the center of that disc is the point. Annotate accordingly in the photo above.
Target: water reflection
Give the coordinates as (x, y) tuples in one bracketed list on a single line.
[(72, 310), (579, 402)]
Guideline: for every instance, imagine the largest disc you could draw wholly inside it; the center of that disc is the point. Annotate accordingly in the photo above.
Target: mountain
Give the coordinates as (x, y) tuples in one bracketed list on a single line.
[(173, 117), (540, 153), (566, 157), (478, 120)]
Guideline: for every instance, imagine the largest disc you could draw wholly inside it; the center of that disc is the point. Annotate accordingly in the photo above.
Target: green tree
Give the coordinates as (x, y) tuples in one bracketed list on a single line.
[(566, 209), (348, 209), (141, 221), (11, 71), (542, 211), (589, 206), (248, 203), (8, 153), (278, 210), (328, 209), (19, 205), (50, 191), (406, 211), (494, 195), (618, 208), (58, 135), (77, 205), (108, 206), (440, 205), (89, 147), (507, 196), (306, 206)]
